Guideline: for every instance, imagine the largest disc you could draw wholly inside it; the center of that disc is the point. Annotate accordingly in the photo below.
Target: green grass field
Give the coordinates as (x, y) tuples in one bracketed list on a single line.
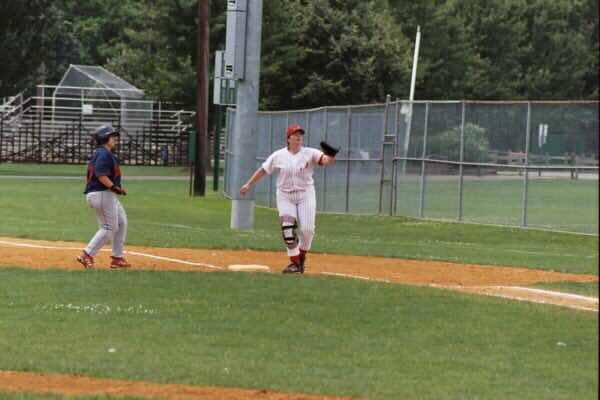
[(319, 335), (331, 336)]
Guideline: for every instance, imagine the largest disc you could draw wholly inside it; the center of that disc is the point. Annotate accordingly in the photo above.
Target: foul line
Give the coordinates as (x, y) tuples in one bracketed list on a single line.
[(173, 259), (38, 246), (366, 278), (524, 289), (535, 300), (550, 292), (128, 252)]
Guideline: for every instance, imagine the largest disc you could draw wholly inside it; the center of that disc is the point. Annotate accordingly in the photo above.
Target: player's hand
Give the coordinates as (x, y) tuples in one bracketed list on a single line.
[(118, 190), (244, 189)]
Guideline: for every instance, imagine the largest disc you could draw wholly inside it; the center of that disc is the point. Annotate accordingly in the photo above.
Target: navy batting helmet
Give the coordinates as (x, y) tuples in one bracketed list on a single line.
[(103, 132)]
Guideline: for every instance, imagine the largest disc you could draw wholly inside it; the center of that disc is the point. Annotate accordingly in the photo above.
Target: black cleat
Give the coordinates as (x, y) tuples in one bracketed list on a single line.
[(301, 266), (293, 268)]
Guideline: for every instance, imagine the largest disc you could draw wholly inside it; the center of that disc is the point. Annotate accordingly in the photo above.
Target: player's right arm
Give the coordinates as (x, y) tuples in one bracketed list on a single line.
[(105, 180), (258, 174)]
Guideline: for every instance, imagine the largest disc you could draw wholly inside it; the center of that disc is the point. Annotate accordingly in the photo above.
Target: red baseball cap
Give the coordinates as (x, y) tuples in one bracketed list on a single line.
[(293, 129)]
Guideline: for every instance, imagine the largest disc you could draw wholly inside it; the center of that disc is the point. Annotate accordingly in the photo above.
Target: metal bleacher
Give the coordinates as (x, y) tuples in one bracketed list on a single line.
[(55, 126)]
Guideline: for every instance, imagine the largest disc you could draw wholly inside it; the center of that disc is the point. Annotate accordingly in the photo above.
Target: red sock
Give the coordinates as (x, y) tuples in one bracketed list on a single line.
[(295, 259), (303, 252)]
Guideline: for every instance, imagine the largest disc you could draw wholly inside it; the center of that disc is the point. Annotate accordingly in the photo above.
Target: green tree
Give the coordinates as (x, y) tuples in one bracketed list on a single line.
[(22, 38), (154, 54), (324, 52), (504, 49), (159, 54), (319, 52), (446, 54), (447, 143), (563, 62), (500, 44)]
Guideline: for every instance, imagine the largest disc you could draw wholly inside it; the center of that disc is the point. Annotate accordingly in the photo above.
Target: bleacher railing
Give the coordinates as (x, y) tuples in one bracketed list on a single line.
[(47, 128)]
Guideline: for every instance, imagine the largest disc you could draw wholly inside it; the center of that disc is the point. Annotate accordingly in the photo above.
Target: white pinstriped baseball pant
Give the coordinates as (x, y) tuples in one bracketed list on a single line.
[(302, 206), (112, 222)]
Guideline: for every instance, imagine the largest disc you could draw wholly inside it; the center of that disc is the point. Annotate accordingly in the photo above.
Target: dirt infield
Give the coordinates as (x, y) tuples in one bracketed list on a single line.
[(481, 279), (485, 279), (19, 382)]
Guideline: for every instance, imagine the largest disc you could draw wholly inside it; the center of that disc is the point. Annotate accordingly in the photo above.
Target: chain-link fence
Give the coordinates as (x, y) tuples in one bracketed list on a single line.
[(508, 163)]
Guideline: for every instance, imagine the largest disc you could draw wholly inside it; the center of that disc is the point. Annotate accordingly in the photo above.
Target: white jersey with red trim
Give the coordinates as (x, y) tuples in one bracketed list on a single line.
[(294, 171)]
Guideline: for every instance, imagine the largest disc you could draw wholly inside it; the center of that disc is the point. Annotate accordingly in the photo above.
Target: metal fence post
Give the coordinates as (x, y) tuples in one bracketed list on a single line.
[(526, 177), (348, 144), (395, 185), (79, 145), (270, 200), (383, 143), (423, 165), (40, 117), (324, 170), (217, 147), (460, 165)]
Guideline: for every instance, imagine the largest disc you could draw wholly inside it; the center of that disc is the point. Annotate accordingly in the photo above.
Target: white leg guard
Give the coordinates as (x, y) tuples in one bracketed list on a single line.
[(288, 231)]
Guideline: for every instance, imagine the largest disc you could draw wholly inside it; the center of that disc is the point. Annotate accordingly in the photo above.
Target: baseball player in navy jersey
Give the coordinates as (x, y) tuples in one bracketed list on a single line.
[(101, 191), (296, 200)]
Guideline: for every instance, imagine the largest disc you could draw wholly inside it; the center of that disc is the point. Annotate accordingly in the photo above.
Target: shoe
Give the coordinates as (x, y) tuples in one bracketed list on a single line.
[(301, 265), (293, 268), (119, 262), (86, 260)]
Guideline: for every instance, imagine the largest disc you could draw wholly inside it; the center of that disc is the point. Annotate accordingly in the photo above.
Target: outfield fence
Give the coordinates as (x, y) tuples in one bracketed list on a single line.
[(529, 164)]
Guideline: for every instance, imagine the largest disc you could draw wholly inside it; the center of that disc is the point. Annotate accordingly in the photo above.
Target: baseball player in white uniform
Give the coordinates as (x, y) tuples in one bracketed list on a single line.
[(296, 199)]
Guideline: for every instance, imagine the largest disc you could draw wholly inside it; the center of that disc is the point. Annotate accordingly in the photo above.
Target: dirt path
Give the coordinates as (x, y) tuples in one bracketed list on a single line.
[(481, 279), (19, 382)]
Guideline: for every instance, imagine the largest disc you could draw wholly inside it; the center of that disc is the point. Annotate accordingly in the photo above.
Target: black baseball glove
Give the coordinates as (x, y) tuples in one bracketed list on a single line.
[(118, 190), (328, 149)]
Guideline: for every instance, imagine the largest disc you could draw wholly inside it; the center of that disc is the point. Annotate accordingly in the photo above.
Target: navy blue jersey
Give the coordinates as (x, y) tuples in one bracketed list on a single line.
[(103, 163)]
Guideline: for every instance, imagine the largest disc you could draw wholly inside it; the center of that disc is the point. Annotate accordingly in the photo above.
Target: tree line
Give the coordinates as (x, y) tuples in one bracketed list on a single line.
[(318, 52)]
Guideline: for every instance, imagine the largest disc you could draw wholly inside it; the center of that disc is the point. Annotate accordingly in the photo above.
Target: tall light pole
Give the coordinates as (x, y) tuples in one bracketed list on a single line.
[(243, 143), (201, 99), (412, 91)]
